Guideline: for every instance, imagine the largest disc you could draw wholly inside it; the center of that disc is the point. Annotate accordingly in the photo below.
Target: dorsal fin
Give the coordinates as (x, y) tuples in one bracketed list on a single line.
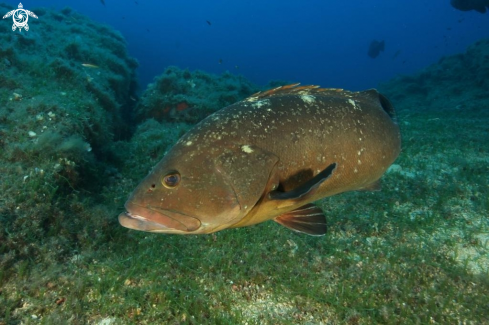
[(291, 89), (386, 105)]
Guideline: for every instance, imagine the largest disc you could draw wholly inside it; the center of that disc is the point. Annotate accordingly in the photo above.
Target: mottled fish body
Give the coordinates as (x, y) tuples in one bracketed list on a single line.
[(268, 157)]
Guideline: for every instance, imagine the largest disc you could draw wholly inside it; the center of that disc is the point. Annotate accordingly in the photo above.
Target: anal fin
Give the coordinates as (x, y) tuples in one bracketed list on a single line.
[(308, 219)]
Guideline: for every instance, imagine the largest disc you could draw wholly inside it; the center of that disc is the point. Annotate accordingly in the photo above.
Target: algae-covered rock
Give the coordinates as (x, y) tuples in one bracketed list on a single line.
[(452, 81), (190, 96), (65, 86), (148, 145)]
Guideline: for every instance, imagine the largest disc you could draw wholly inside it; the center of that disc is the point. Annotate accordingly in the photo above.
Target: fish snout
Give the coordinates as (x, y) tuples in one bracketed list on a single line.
[(153, 219)]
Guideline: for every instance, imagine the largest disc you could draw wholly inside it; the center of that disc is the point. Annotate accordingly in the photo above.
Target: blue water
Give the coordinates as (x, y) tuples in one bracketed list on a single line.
[(312, 42)]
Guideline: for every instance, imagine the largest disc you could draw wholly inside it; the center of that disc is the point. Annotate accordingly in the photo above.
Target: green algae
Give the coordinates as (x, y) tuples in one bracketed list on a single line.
[(56, 132)]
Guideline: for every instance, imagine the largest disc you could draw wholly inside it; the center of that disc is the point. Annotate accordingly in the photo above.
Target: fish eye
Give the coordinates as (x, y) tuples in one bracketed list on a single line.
[(171, 180)]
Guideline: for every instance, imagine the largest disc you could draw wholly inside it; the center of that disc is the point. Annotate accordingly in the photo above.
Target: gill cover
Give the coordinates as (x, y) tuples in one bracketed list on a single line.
[(247, 169)]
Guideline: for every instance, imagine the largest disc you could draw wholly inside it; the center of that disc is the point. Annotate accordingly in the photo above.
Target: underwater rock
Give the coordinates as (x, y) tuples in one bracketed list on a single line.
[(452, 81), (58, 120), (186, 96)]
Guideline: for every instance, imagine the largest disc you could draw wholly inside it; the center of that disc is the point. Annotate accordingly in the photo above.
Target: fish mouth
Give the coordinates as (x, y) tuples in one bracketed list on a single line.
[(153, 219)]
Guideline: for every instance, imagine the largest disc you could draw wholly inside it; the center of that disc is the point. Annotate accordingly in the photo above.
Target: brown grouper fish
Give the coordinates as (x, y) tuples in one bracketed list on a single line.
[(268, 157)]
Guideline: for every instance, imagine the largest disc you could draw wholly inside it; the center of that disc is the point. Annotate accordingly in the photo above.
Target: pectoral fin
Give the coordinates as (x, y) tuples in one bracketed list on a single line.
[(308, 219), (306, 189)]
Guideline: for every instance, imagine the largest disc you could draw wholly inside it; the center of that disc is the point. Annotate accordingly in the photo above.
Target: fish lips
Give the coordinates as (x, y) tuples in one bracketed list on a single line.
[(153, 219)]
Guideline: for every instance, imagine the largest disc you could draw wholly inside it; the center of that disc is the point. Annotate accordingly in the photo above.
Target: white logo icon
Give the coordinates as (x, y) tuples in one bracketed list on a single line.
[(20, 17)]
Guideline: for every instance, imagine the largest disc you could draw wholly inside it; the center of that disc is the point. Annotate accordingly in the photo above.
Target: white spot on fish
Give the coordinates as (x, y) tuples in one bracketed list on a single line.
[(246, 148), (251, 99), (352, 102), (260, 103), (308, 99), (188, 143)]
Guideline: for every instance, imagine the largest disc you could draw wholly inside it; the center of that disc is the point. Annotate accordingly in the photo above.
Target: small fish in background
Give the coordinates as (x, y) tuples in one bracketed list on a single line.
[(220, 61), (375, 48), (467, 5), (90, 65), (268, 157), (103, 2), (208, 22)]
